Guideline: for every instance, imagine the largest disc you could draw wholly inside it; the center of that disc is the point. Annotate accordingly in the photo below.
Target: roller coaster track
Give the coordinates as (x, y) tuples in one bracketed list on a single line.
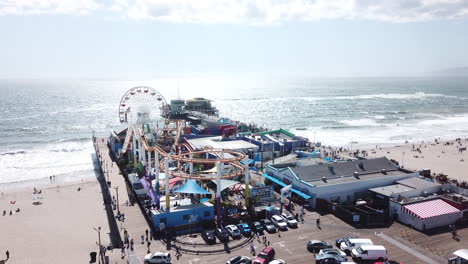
[(188, 156)]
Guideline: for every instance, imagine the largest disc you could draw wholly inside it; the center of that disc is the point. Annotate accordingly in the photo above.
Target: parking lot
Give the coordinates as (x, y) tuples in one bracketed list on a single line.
[(290, 245)]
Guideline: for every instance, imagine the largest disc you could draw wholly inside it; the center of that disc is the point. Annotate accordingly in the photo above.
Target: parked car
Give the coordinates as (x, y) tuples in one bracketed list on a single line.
[(279, 222), (245, 229), (340, 240), (239, 260), (332, 251), (222, 235), (290, 220), (209, 236), (268, 225), (353, 243), (327, 258), (317, 245), (369, 252), (277, 261), (158, 258), (265, 256), (233, 231), (257, 227)]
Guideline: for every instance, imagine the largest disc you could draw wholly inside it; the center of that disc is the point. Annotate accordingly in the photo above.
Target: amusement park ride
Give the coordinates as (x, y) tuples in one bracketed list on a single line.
[(156, 146)]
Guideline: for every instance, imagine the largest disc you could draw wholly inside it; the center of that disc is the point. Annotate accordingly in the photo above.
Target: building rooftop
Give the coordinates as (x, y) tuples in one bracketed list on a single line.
[(215, 143), (340, 170), (391, 189), (351, 179), (417, 183)]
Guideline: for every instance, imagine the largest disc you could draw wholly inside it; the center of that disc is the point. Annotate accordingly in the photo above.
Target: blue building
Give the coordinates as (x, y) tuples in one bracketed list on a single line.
[(185, 218)]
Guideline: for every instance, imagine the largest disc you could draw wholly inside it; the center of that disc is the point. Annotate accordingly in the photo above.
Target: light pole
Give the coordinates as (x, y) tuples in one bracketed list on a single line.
[(117, 195), (98, 230)]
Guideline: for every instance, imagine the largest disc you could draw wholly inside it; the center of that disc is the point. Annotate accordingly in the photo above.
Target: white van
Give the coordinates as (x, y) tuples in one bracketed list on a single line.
[(369, 252), (353, 243)]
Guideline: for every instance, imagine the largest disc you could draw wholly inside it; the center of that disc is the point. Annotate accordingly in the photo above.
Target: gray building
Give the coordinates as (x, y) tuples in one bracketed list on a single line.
[(341, 182)]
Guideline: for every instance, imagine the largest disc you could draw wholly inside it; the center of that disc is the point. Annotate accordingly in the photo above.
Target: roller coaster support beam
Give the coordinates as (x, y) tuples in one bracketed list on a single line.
[(191, 164), (219, 209), (166, 181), (247, 182)]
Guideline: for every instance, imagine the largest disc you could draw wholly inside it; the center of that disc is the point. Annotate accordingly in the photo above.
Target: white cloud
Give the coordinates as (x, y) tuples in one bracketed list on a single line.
[(248, 11), (41, 7)]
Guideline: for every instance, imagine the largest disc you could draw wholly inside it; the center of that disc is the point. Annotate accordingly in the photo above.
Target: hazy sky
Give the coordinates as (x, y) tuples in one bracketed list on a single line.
[(148, 38)]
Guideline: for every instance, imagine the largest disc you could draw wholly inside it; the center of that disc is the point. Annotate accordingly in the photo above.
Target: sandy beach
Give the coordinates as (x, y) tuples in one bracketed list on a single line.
[(59, 230), (440, 157)]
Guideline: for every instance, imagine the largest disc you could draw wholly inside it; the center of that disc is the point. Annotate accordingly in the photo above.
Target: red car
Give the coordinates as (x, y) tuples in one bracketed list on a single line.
[(267, 255)]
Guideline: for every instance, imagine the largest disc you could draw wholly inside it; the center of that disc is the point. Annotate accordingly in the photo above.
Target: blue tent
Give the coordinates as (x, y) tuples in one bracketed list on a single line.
[(191, 186)]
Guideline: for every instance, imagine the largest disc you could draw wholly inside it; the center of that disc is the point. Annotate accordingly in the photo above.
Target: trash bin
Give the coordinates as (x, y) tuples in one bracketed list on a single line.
[(93, 255)]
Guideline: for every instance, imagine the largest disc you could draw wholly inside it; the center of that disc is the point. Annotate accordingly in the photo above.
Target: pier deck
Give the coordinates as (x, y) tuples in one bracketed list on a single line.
[(402, 245)]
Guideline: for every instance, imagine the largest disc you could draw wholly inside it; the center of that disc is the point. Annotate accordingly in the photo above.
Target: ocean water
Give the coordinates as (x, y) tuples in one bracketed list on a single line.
[(46, 125)]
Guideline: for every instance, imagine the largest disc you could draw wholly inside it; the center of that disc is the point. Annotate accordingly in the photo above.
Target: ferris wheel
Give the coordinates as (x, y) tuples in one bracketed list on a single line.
[(142, 104)]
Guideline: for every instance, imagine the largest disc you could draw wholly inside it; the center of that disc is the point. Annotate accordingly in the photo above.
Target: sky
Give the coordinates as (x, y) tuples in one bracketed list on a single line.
[(131, 39)]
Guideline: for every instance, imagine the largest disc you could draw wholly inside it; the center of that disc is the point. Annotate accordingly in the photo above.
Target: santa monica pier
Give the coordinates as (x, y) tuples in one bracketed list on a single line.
[(206, 187)]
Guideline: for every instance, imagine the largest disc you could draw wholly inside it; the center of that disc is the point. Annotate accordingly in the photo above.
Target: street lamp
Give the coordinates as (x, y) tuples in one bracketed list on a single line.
[(98, 230), (117, 195)]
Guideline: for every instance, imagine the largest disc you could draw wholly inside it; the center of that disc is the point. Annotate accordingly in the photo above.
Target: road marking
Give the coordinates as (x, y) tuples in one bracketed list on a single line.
[(194, 260), (280, 243)]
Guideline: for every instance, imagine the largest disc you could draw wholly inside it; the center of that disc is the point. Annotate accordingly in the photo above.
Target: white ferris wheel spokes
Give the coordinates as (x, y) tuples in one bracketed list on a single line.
[(142, 104)]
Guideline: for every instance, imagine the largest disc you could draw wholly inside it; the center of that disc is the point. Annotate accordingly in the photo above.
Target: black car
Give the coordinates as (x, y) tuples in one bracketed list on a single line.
[(317, 245), (209, 236), (338, 241), (257, 227), (268, 225), (222, 234)]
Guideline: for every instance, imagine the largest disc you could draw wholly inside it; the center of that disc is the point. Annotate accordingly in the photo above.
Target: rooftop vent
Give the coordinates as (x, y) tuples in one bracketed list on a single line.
[(324, 179), (361, 165), (356, 175), (384, 171)]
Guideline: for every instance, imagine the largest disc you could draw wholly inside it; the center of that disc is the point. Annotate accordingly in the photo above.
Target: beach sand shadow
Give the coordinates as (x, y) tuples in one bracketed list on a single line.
[(114, 234)]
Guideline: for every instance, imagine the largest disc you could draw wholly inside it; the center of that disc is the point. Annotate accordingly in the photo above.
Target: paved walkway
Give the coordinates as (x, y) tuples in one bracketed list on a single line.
[(407, 249), (134, 223)]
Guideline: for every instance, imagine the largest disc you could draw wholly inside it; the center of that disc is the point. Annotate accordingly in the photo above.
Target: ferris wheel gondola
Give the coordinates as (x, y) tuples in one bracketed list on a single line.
[(142, 104)]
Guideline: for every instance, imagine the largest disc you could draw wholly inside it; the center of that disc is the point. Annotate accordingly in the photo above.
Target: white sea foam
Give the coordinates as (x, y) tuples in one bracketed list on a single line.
[(366, 135), (67, 159)]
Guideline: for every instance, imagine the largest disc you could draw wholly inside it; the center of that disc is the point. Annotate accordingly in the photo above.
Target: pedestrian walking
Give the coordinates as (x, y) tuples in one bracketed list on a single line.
[(123, 251), (146, 233), (7, 255), (142, 239), (318, 222), (131, 244), (148, 244)]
